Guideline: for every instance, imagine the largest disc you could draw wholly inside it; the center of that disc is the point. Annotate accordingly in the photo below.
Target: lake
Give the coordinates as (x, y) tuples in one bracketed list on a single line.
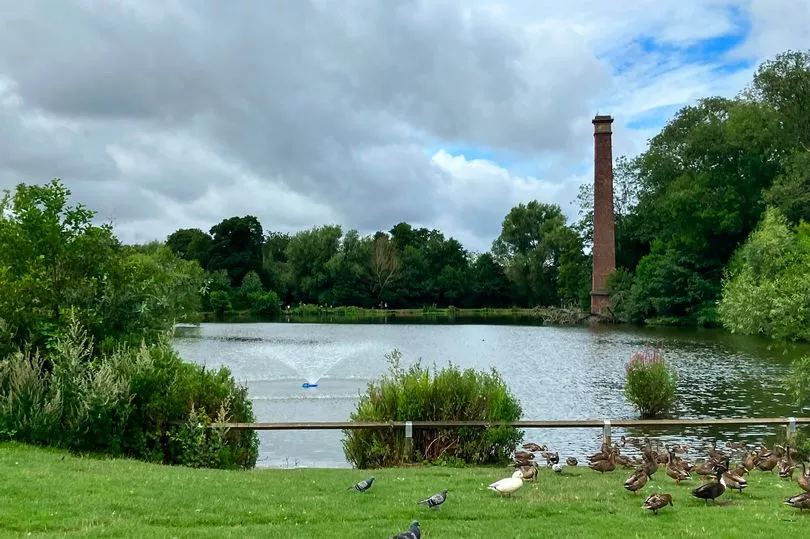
[(556, 373)]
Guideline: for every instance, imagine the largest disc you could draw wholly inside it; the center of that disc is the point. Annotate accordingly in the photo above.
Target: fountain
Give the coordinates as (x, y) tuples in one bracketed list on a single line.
[(314, 362)]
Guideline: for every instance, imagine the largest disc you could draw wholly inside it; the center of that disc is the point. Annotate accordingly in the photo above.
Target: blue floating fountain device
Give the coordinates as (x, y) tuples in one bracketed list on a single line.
[(309, 385)]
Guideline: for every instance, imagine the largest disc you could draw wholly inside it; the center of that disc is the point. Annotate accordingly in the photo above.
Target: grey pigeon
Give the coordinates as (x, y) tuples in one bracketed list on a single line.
[(413, 533), (436, 500), (363, 485)]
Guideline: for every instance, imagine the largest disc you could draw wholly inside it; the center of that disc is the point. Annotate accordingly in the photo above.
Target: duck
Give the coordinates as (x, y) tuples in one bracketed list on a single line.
[(534, 448), (804, 478), (529, 472), (675, 472), (767, 463), (734, 481), (509, 485), (656, 501), (557, 467), (749, 461), (603, 466), (523, 455), (713, 490), (571, 461), (799, 501), (785, 467), (636, 482)]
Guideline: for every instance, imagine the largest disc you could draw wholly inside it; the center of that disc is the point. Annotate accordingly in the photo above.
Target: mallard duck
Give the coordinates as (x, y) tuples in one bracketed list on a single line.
[(713, 490), (677, 473), (734, 481), (523, 455), (735, 445), (636, 482), (571, 461), (785, 467), (509, 485), (804, 478), (656, 501), (650, 465), (603, 466), (799, 501), (529, 472), (603, 454), (767, 464), (534, 448), (522, 463), (552, 458), (749, 461)]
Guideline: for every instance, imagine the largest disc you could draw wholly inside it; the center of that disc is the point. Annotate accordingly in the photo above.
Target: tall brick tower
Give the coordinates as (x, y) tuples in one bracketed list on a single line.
[(604, 242)]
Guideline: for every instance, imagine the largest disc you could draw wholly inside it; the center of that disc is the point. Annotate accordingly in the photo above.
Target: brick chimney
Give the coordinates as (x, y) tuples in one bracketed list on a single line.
[(604, 243)]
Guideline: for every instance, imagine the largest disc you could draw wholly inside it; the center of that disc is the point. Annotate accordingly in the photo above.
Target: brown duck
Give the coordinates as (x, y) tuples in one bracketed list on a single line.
[(799, 501), (603, 466), (636, 482), (656, 501), (677, 473)]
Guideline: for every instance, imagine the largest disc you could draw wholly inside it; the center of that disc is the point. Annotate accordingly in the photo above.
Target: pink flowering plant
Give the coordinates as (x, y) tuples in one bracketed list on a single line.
[(650, 383)]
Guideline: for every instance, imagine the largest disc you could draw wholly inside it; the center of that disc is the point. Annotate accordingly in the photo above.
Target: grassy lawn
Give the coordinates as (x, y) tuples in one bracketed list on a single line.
[(51, 493)]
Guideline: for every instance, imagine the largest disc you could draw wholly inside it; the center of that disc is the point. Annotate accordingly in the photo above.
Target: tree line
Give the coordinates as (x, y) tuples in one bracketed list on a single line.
[(683, 208)]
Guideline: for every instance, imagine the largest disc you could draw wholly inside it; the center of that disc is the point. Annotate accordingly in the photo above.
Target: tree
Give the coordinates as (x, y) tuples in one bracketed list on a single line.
[(765, 287), (535, 244), (308, 253), (190, 244), (55, 261), (237, 247), (385, 264)]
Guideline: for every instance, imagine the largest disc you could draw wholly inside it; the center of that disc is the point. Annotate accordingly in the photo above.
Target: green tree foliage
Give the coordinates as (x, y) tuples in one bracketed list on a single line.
[(700, 189), (54, 261), (236, 247), (86, 359), (191, 244), (542, 255), (417, 394), (766, 289)]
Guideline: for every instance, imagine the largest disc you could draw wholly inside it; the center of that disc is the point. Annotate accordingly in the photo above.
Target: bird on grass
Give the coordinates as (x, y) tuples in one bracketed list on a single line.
[(363, 485), (656, 501), (799, 501), (411, 533), (636, 482), (434, 501), (713, 490), (509, 485)]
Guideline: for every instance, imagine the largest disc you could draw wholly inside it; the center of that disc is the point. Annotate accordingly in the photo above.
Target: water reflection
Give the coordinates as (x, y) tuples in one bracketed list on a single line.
[(557, 373)]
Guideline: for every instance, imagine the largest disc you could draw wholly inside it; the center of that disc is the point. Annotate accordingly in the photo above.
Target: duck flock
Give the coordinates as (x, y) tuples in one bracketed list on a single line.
[(653, 454)]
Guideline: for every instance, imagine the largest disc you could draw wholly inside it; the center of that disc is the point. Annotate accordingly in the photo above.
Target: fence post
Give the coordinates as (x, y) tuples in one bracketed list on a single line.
[(606, 433), (408, 439), (791, 432)]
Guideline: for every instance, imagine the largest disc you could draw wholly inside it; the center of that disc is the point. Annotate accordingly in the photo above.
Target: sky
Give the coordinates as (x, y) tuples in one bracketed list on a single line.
[(174, 114)]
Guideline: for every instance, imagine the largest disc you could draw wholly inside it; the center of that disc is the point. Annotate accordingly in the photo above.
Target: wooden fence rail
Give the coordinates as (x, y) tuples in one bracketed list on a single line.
[(526, 424)]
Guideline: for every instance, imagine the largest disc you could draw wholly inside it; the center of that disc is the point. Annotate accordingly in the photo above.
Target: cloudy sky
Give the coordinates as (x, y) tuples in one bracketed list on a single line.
[(443, 113)]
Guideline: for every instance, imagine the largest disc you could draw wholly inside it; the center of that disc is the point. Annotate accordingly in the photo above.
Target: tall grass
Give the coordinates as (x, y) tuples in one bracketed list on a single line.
[(417, 394), (143, 402)]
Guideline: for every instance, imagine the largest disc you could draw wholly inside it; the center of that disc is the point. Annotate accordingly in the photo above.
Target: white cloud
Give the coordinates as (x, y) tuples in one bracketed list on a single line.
[(317, 113)]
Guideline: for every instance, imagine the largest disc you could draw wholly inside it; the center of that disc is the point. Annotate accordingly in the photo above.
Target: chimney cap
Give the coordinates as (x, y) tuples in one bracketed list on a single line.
[(602, 119)]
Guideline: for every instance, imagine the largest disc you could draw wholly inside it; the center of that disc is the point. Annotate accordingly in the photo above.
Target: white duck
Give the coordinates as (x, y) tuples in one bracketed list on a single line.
[(506, 487)]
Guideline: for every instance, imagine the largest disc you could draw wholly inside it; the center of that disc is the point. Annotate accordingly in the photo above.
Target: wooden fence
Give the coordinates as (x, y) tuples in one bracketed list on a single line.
[(605, 424)]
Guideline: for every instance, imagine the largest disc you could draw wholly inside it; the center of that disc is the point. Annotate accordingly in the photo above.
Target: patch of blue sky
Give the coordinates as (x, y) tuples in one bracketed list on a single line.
[(711, 50), (653, 118)]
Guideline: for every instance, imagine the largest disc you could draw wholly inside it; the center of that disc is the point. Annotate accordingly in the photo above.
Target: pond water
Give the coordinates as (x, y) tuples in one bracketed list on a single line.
[(557, 373)]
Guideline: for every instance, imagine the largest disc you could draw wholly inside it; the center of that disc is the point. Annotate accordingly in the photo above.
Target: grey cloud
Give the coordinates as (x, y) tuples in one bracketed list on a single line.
[(333, 100)]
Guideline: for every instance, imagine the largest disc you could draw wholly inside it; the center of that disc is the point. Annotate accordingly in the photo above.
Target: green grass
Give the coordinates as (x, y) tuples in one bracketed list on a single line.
[(51, 493)]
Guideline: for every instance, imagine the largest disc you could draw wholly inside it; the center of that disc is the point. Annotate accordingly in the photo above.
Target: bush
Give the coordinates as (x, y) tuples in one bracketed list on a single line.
[(416, 394), (137, 401), (650, 383)]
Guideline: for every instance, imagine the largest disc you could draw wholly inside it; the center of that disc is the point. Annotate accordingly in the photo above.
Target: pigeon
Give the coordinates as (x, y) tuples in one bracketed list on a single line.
[(412, 533), (434, 501), (363, 485)]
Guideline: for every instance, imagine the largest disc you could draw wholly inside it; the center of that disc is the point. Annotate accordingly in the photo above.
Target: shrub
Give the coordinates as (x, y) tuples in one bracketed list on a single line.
[(417, 394), (650, 383), (136, 401)]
